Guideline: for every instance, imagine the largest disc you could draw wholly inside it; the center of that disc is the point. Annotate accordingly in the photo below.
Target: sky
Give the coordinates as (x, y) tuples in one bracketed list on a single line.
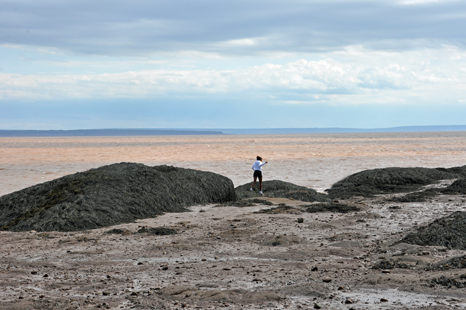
[(81, 64)]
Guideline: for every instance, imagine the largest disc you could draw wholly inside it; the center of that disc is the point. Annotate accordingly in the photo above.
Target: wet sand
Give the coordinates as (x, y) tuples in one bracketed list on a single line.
[(227, 257)]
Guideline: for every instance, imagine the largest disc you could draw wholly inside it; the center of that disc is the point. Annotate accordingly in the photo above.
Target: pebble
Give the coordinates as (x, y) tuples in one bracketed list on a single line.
[(349, 301), (300, 220), (383, 300), (386, 271), (317, 306), (326, 280)]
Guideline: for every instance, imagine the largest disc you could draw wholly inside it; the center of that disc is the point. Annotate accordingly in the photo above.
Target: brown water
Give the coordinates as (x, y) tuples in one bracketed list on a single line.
[(313, 160)]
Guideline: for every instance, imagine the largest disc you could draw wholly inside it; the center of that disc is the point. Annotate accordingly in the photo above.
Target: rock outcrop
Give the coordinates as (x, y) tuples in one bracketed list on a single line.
[(281, 189), (110, 195), (391, 180)]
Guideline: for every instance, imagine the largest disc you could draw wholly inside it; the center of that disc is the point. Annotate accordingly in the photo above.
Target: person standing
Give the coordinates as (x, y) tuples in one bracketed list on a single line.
[(257, 167)]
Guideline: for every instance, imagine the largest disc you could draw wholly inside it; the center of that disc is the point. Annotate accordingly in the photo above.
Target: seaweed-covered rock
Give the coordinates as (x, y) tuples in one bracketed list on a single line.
[(389, 264), (158, 231), (387, 180), (457, 187), (281, 189), (458, 262), (110, 195), (331, 207), (448, 282), (417, 196), (449, 231)]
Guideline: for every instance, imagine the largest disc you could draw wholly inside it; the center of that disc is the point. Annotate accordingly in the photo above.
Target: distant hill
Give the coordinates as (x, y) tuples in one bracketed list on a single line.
[(247, 131), (106, 132), (342, 130)]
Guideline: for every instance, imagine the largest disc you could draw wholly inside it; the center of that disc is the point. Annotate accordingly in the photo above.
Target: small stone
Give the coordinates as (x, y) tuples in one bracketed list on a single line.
[(300, 220), (383, 300), (134, 294), (349, 301), (386, 271), (46, 275), (140, 263), (317, 306), (106, 293), (314, 268), (165, 268), (341, 288), (326, 280), (33, 272)]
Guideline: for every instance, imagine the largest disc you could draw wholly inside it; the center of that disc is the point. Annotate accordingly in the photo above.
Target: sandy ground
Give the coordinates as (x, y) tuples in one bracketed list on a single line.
[(234, 258)]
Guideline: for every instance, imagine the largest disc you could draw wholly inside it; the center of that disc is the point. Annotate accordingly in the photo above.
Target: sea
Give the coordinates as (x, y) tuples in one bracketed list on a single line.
[(312, 160)]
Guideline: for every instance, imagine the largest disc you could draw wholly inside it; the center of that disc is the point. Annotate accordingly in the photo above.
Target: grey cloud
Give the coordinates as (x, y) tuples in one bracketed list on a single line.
[(133, 28)]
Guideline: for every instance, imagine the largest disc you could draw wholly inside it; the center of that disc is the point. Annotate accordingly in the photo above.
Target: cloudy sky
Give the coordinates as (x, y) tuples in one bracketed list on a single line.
[(231, 64)]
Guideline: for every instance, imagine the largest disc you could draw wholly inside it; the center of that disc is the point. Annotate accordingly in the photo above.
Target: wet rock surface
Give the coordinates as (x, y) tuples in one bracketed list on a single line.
[(110, 195)]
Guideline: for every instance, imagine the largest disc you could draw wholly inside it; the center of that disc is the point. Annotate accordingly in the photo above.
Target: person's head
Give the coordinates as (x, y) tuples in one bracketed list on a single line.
[(259, 158)]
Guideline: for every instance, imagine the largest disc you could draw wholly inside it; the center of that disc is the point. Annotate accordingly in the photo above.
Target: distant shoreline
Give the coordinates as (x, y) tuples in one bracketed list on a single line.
[(177, 132)]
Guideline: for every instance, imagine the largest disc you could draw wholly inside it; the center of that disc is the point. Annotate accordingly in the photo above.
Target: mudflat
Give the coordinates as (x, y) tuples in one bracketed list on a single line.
[(312, 160), (269, 253)]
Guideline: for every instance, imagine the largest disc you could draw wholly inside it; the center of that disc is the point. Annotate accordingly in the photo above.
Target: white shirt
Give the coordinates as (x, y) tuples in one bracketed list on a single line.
[(257, 165)]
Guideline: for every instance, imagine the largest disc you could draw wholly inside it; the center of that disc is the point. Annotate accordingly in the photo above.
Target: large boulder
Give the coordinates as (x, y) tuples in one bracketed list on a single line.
[(390, 180), (110, 195)]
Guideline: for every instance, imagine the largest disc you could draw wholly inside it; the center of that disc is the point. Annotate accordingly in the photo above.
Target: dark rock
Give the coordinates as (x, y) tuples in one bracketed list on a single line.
[(390, 180), (279, 209), (389, 264), (449, 231), (417, 196), (159, 231), (448, 282), (110, 195), (457, 187), (331, 207), (119, 231), (281, 189), (458, 262)]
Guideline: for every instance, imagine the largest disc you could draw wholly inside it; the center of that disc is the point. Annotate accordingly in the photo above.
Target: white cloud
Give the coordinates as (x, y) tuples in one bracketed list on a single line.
[(353, 75)]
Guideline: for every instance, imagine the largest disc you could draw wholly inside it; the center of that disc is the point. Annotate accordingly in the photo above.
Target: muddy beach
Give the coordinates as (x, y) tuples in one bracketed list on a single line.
[(269, 253)]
